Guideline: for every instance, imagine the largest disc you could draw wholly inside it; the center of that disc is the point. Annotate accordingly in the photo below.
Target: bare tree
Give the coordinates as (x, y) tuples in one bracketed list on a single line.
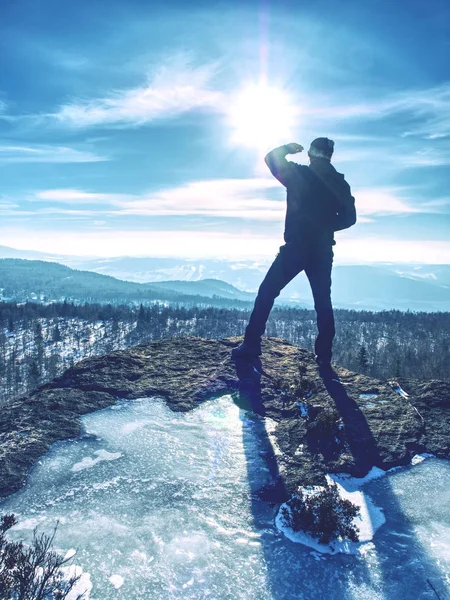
[(34, 572)]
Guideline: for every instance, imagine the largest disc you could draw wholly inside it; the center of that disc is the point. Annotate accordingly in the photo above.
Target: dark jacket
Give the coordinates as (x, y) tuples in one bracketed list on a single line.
[(319, 201)]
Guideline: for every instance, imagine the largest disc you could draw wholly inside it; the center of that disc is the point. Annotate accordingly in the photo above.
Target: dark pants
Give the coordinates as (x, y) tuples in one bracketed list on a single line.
[(316, 260)]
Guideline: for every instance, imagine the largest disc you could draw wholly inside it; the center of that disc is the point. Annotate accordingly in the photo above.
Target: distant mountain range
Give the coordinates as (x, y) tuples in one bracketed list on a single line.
[(22, 279), (370, 287)]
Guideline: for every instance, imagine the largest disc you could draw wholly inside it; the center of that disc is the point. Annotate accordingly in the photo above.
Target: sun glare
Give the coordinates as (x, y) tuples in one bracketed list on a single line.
[(261, 117)]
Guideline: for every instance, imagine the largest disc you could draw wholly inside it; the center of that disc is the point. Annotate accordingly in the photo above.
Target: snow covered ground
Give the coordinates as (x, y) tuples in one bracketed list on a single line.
[(165, 505), (60, 343)]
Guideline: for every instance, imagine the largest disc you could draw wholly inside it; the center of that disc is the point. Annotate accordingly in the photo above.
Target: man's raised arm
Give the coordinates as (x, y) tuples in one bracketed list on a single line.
[(277, 163)]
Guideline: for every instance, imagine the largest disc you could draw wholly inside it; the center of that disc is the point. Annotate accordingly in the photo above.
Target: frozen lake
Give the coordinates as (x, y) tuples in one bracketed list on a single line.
[(164, 505)]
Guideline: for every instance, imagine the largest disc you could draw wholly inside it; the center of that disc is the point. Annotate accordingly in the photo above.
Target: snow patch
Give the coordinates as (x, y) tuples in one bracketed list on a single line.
[(188, 583), (370, 519), (70, 554), (271, 426), (140, 556), (89, 462), (352, 484), (83, 586), (419, 458), (300, 450), (30, 523), (117, 581)]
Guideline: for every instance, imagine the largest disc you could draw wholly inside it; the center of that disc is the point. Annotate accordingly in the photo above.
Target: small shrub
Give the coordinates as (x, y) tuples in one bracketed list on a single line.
[(326, 424), (323, 515), (33, 572), (296, 388)]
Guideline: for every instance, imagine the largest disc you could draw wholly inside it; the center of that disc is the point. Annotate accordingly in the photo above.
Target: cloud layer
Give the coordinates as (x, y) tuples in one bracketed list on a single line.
[(256, 198), (46, 153), (118, 131), (175, 87)]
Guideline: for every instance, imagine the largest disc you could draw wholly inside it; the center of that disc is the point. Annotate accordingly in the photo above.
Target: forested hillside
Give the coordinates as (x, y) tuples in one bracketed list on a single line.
[(22, 280), (38, 342)]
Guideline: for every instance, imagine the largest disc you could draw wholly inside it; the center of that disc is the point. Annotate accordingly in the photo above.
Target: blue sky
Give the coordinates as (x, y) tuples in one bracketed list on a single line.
[(139, 128)]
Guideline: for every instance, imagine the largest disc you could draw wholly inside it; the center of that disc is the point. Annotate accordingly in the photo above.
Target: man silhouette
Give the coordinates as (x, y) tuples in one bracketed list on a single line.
[(319, 202)]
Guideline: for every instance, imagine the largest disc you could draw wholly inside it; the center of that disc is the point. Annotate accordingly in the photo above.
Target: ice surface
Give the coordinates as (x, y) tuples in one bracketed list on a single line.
[(167, 506), (397, 388), (117, 581), (303, 408), (89, 462)]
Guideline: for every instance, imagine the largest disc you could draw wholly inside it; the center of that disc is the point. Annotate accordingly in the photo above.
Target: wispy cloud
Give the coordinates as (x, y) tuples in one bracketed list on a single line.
[(438, 205), (16, 213), (9, 208), (50, 210), (426, 157), (175, 87), (6, 204), (239, 198), (253, 199), (382, 201), (432, 107), (428, 107), (67, 195), (260, 199), (394, 154), (46, 153)]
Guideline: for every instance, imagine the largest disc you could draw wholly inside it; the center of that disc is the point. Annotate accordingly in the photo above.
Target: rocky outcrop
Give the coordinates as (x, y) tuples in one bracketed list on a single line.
[(318, 422)]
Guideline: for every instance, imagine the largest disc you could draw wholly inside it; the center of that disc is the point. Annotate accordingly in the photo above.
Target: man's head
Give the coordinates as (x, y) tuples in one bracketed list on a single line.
[(321, 148)]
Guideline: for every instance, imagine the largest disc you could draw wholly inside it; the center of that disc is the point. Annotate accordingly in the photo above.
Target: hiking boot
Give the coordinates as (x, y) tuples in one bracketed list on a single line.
[(245, 350)]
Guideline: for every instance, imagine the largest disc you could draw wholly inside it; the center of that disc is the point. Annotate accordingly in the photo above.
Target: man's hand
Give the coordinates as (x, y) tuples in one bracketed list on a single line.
[(293, 148), (281, 168)]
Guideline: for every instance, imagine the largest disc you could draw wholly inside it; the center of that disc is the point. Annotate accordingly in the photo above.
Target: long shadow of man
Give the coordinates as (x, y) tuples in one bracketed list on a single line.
[(285, 561), (360, 439), (249, 400)]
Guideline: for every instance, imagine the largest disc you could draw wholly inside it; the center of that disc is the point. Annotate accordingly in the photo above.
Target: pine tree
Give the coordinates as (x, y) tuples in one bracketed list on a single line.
[(56, 334), (363, 360), (34, 374), (39, 344)]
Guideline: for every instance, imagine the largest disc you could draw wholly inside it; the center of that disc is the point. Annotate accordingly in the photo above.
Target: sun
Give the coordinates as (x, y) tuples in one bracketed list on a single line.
[(261, 117)]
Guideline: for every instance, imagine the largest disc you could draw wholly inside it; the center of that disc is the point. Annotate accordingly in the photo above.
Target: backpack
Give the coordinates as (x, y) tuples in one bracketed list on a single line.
[(340, 193)]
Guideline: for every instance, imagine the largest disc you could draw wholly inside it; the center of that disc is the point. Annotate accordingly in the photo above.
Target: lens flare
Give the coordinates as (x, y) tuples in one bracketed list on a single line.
[(261, 117)]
